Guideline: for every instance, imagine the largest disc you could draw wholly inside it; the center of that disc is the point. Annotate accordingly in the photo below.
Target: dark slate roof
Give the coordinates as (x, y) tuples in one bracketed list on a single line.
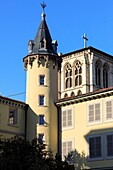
[(42, 34)]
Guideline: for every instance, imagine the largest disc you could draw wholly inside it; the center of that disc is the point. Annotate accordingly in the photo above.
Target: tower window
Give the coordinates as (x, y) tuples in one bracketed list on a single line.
[(42, 43), (78, 73), (41, 119), (68, 76), (41, 100), (41, 79), (41, 137)]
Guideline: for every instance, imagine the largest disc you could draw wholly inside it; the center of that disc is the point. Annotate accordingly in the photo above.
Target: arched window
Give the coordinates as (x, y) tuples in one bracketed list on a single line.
[(98, 73), (68, 76), (105, 75), (65, 95), (78, 73), (79, 92), (72, 94)]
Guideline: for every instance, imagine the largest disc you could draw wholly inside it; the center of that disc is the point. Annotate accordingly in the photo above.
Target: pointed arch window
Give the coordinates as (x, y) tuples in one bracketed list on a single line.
[(79, 92), (105, 75), (72, 94), (65, 95), (68, 76), (98, 73), (78, 73)]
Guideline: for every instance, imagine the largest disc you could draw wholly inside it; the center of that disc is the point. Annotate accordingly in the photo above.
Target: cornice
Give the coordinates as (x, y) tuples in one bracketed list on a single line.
[(13, 103), (85, 97)]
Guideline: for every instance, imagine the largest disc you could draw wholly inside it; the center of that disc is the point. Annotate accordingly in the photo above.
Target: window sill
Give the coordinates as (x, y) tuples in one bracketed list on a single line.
[(42, 85), (67, 128), (93, 123), (13, 125), (42, 106), (95, 159)]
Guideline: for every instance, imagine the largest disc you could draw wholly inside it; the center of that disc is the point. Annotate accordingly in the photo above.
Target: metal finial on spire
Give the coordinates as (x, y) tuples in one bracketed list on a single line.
[(85, 40), (43, 4)]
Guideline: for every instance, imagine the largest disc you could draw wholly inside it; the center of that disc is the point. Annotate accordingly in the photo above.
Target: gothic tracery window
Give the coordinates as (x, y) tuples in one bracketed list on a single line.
[(78, 73), (68, 76), (105, 75), (98, 73)]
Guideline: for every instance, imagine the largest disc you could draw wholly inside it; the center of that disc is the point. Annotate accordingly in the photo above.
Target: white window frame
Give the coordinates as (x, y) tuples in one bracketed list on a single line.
[(105, 114), (67, 141), (98, 121), (102, 147), (72, 111)]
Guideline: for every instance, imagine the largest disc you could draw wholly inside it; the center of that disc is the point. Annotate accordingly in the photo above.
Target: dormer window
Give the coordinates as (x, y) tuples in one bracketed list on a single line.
[(42, 44)]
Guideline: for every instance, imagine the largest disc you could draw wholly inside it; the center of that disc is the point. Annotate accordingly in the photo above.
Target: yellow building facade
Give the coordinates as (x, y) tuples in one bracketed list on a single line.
[(12, 118), (87, 126)]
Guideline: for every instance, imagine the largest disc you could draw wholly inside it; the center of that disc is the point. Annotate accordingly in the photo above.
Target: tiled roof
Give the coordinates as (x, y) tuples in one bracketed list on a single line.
[(100, 91)]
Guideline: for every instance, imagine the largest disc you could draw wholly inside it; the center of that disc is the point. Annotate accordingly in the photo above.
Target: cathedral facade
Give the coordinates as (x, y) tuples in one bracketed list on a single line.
[(69, 100)]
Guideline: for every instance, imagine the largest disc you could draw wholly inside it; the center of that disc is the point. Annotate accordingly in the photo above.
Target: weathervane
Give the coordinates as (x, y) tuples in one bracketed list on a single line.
[(43, 4), (85, 40)]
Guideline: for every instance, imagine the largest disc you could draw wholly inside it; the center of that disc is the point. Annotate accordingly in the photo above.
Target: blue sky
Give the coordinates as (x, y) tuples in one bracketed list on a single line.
[(67, 22)]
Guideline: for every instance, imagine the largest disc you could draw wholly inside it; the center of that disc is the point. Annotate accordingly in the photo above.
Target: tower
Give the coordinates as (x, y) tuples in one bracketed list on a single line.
[(41, 65)]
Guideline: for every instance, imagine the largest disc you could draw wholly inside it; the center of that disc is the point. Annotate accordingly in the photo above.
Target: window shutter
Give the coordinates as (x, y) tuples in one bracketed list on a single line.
[(69, 146), (108, 110), (97, 112), (64, 148), (64, 119), (69, 117), (91, 113)]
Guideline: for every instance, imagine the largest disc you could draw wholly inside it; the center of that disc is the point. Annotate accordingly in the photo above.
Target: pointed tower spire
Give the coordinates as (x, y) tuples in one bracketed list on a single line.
[(42, 43)]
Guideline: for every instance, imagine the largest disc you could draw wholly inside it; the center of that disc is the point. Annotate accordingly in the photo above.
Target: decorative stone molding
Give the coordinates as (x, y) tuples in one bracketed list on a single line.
[(12, 103)]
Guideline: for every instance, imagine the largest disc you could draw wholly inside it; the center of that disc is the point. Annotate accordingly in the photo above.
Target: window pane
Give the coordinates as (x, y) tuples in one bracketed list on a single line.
[(40, 137), (109, 145), (12, 116), (41, 119), (42, 79), (41, 100), (76, 81), (80, 79), (95, 147)]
